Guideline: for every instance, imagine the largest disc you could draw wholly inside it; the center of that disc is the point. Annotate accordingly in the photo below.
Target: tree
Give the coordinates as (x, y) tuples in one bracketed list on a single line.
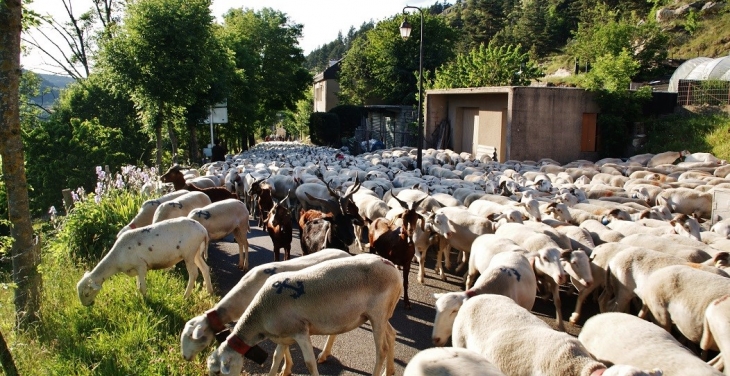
[(380, 66), (488, 66), (273, 76), (296, 122), (25, 252), (161, 57), (79, 34), (604, 31)]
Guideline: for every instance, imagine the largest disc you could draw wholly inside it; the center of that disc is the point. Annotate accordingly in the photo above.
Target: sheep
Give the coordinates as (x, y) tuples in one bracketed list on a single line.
[(222, 218), (176, 177), (157, 246), (147, 211), (181, 206), (626, 339), (369, 284), (668, 245), (715, 332), (459, 227), (450, 361), (687, 201), (599, 259), (722, 227), (668, 157), (628, 272), (200, 331), (680, 295), (509, 274), (513, 339)]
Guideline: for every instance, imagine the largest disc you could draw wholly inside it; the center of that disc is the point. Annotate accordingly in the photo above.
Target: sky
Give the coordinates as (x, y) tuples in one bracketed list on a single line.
[(322, 19)]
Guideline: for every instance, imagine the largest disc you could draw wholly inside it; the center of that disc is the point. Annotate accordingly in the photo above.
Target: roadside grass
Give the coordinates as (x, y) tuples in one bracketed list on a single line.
[(122, 333), (695, 132)]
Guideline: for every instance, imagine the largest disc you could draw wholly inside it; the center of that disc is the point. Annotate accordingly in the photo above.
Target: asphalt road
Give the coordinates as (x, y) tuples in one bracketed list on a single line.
[(354, 353)]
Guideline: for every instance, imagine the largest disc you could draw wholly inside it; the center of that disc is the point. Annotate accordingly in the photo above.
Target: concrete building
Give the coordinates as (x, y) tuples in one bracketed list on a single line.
[(521, 123), (326, 88)]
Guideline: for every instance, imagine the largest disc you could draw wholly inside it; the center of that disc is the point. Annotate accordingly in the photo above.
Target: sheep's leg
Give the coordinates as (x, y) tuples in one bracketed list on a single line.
[(421, 258), (305, 344), (141, 283), (192, 268), (327, 351), (406, 272), (390, 365), (205, 270), (242, 241), (281, 352), (582, 295), (557, 303), (358, 235), (381, 337)]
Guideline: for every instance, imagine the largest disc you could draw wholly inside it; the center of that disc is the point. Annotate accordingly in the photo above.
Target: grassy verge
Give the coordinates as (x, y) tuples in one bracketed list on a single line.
[(694, 132), (122, 333)]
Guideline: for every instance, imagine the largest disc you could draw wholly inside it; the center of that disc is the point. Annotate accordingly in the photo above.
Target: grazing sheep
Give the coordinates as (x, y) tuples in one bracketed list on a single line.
[(509, 274), (200, 331), (450, 361), (157, 246), (181, 206), (225, 217), (622, 338), (147, 211), (514, 340), (369, 284)]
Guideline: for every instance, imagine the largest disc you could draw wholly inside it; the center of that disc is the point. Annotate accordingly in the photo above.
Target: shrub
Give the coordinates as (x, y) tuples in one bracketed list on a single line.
[(324, 128), (350, 118)]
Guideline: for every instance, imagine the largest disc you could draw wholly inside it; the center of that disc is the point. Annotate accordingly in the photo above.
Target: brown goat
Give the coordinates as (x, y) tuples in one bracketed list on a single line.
[(387, 241), (176, 177), (264, 204), (279, 227)]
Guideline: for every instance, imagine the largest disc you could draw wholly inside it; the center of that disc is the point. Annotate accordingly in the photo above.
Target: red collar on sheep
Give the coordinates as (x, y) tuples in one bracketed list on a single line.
[(469, 293), (237, 344), (214, 321), (132, 226)]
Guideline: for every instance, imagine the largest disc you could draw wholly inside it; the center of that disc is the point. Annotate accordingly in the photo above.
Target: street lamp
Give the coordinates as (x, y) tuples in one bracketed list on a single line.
[(405, 32)]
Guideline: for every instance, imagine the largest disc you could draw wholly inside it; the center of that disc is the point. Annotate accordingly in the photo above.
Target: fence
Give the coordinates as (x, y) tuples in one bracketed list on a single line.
[(394, 126), (709, 92)]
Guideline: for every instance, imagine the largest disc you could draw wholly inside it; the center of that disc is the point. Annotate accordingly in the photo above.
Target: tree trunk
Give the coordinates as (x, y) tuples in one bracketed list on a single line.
[(193, 144), (6, 358), (158, 136), (25, 255), (173, 140)]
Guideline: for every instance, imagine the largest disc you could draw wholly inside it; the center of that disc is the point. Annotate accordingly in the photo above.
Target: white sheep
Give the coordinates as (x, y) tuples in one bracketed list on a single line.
[(367, 288), (509, 274), (514, 340), (147, 211), (200, 330), (715, 332), (222, 218), (157, 246), (450, 361), (622, 338), (722, 227), (181, 206)]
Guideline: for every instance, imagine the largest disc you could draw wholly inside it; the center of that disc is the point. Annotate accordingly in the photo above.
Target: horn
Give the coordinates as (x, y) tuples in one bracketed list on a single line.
[(415, 204), (333, 193), (402, 203)]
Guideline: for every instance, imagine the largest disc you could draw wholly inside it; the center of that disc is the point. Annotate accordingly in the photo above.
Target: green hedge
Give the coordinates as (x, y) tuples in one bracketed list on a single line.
[(324, 129)]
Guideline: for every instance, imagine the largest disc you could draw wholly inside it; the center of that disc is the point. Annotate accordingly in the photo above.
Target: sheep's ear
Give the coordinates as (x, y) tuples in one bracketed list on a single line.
[(565, 255), (198, 332), (721, 259)]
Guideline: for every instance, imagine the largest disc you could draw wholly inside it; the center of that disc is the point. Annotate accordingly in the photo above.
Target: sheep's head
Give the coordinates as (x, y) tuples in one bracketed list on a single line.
[(87, 289), (225, 361), (172, 175), (195, 337)]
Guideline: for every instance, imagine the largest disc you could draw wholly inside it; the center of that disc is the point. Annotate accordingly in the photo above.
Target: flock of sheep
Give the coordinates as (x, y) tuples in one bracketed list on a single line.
[(633, 231)]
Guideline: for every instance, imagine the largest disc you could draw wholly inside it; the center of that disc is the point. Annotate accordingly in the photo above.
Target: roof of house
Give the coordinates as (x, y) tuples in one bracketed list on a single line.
[(329, 73)]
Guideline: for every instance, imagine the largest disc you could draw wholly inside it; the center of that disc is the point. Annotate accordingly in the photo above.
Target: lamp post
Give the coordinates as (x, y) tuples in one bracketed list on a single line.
[(405, 32)]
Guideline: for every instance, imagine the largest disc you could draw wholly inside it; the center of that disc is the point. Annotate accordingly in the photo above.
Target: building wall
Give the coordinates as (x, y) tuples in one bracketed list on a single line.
[(537, 122), (325, 95), (547, 123)]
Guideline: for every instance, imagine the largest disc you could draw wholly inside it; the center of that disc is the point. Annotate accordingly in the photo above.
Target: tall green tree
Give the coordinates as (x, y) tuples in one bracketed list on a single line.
[(608, 32), (380, 66), (488, 66), (483, 19), (25, 252), (161, 56), (273, 76)]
